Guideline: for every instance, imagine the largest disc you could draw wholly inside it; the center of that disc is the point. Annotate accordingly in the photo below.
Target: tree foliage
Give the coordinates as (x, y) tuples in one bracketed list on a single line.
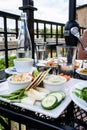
[(10, 62)]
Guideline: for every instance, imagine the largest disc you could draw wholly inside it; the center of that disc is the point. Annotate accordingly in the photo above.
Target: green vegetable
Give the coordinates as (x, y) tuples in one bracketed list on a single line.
[(18, 94), (81, 93), (35, 73), (21, 94), (16, 101), (53, 99), (60, 95), (49, 102)]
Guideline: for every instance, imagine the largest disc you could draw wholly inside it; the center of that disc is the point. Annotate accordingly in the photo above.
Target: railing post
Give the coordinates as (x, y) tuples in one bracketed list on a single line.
[(6, 46), (28, 7), (72, 9)]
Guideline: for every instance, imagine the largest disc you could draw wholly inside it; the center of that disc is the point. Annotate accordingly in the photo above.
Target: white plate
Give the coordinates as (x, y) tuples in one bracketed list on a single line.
[(84, 76), (4, 89), (41, 63), (12, 70), (80, 102)]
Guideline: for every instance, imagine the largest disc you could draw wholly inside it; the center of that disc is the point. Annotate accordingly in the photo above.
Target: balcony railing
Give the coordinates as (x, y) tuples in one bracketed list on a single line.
[(55, 33)]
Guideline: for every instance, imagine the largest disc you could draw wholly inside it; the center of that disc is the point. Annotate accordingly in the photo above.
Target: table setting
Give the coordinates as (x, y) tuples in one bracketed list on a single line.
[(25, 65), (46, 100), (32, 90), (38, 91)]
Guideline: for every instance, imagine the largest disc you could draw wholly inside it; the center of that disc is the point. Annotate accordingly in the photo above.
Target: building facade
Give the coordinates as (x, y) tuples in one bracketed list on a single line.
[(81, 15)]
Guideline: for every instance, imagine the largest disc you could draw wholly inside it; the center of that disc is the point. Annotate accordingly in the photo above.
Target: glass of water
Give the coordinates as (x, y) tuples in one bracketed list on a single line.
[(41, 51), (66, 57)]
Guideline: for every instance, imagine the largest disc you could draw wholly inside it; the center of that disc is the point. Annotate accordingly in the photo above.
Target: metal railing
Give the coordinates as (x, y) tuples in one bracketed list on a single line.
[(5, 16), (50, 29), (47, 30)]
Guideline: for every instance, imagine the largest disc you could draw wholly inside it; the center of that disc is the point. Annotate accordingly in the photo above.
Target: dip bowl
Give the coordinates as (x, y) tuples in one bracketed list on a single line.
[(54, 82), (18, 81)]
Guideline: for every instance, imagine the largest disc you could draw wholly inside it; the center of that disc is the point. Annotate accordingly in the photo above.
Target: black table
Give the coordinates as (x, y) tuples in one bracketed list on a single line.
[(34, 120)]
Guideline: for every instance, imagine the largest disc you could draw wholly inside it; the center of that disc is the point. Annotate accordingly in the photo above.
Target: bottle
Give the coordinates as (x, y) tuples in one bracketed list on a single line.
[(24, 49), (70, 40)]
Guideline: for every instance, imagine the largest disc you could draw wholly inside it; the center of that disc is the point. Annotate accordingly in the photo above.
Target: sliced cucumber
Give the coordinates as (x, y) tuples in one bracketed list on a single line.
[(49, 102), (63, 94), (60, 95)]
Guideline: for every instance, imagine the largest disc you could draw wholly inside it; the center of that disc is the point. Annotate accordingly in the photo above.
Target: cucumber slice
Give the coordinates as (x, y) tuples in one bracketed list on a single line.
[(49, 102), (63, 94), (59, 95)]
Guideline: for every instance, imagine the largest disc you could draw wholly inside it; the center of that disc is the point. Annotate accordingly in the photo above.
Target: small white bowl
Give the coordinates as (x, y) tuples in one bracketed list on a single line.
[(23, 64), (54, 82), (82, 75), (15, 82)]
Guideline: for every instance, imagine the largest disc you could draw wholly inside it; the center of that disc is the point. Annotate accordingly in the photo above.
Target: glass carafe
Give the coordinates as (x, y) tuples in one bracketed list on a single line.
[(24, 49)]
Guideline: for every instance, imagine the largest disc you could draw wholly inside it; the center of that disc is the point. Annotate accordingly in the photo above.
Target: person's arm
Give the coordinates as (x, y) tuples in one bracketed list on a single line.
[(81, 53)]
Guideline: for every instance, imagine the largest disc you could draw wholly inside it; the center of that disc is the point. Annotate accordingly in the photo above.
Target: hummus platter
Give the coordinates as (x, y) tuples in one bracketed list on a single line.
[(35, 97)]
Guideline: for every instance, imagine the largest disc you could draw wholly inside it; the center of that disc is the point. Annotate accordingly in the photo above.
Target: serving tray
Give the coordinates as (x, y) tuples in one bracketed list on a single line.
[(54, 113)]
